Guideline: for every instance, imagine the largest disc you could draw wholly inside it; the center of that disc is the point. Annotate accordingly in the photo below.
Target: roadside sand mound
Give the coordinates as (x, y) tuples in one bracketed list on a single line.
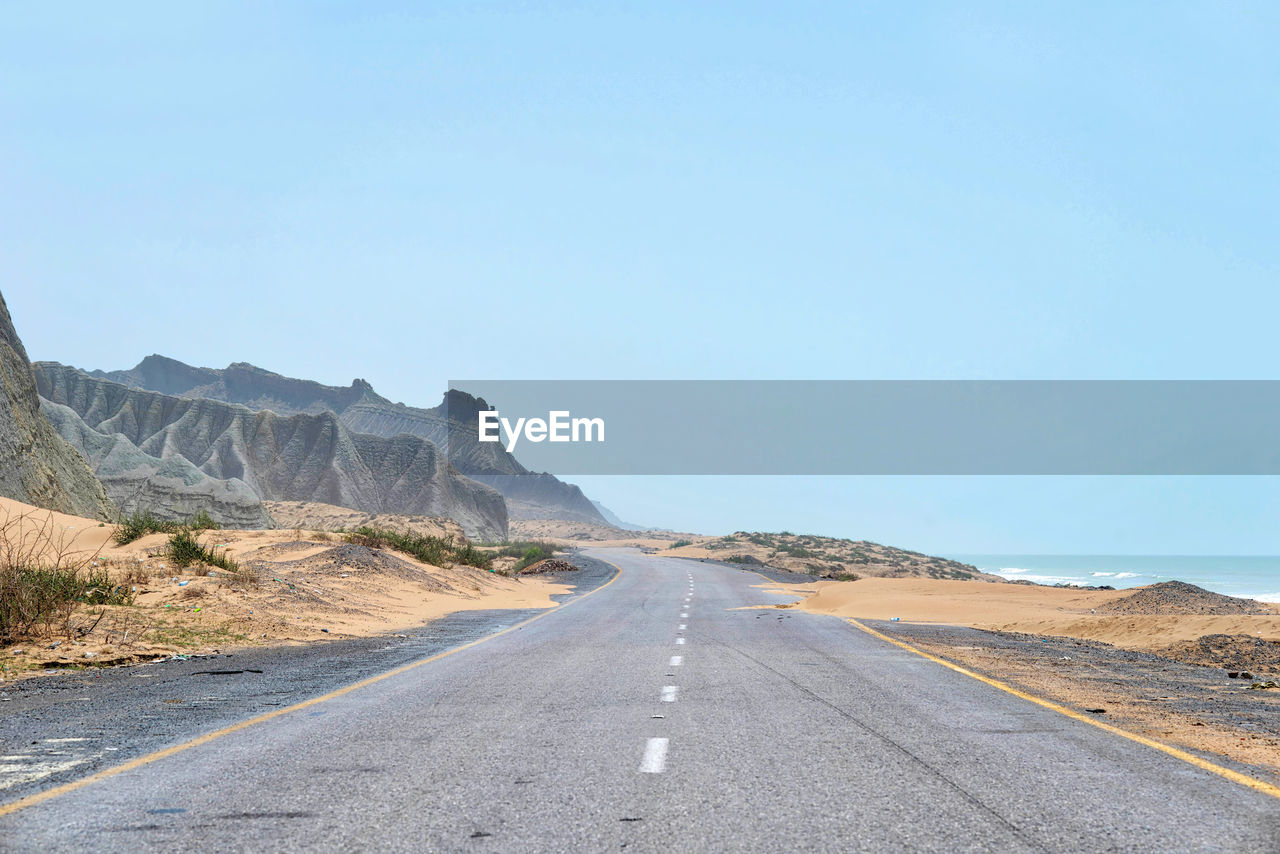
[(1178, 597), (1030, 609), (351, 560), (302, 586), (1234, 652), (549, 565), (315, 516)]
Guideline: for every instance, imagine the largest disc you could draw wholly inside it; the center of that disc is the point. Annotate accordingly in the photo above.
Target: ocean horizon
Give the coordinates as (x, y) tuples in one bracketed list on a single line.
[(1247, 576)]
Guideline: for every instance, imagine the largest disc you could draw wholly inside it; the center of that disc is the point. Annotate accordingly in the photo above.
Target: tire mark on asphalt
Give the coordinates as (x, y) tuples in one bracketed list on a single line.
[(849, 716)]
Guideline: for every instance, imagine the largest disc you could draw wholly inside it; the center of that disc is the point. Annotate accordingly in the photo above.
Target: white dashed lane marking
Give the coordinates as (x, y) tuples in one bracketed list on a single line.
[(655, 756), (679, 640), (677, 660), (669, 693), (47, 757)]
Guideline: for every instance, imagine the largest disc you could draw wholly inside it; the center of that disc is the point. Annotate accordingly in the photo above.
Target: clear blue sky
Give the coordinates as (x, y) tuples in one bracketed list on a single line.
[(592, 190)]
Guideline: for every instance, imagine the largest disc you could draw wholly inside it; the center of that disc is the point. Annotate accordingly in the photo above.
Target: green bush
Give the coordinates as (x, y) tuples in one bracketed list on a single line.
[(140, 524), (680, 544), (202, 521), (518, 548), (531, 556), (469, 555), (32, 597), (185, 549), (436, 551), (529, 552), (145, 522)]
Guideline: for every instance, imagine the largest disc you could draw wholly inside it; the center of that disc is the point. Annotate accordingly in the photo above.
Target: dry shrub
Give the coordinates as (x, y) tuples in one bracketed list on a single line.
[(245, 576), (135, 573), (124, 628), (45, 578)]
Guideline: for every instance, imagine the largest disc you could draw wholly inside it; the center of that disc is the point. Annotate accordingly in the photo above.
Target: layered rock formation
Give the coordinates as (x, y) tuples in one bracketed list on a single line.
[(299, 457), (37, 466), (171, 488), (450, 425)]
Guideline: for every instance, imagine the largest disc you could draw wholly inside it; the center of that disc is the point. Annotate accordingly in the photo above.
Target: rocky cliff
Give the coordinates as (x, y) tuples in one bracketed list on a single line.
[(299, 457), (529, 495), (37, 466)]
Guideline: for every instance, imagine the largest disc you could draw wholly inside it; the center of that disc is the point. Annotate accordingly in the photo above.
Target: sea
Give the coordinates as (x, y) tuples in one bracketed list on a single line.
[(1248, 576)]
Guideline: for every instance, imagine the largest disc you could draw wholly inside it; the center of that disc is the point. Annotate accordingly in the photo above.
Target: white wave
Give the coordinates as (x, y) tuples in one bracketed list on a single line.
[(1024, 575), (1266, 597), (1101, 574), (1128, 574), (1009, 570)]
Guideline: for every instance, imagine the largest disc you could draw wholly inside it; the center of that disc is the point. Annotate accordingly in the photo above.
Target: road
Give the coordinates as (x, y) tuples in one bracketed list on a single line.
[(658, 713)]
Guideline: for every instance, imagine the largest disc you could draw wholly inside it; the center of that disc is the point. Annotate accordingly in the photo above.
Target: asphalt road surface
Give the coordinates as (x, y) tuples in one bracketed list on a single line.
[(657, 714)]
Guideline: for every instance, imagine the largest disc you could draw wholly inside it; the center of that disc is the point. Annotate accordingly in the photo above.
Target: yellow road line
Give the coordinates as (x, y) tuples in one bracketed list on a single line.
[(1203, 764), (66, 788)]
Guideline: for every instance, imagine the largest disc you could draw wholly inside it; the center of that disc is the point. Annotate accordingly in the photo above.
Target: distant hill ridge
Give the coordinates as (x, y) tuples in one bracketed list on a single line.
[(361, 409), (299, 457), (826, 557), (240, 383)]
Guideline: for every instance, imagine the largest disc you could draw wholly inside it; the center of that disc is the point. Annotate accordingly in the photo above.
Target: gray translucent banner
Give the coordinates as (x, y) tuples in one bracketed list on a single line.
[(885, 427)]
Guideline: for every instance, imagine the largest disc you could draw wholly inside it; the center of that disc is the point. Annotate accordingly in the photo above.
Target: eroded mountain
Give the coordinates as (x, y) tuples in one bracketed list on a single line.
[(450, 425), (171, 487), (303, 456)]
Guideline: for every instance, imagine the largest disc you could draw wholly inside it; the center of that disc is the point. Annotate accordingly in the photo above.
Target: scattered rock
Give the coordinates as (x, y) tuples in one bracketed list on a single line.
[(549, 565), (1238, 654)]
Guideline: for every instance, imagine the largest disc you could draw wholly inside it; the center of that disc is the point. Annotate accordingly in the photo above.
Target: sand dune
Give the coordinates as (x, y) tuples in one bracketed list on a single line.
[(1068, 612)]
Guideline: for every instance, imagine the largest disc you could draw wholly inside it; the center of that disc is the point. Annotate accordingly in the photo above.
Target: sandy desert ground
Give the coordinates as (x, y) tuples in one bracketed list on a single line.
[(1056, 611), (300, 586)]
